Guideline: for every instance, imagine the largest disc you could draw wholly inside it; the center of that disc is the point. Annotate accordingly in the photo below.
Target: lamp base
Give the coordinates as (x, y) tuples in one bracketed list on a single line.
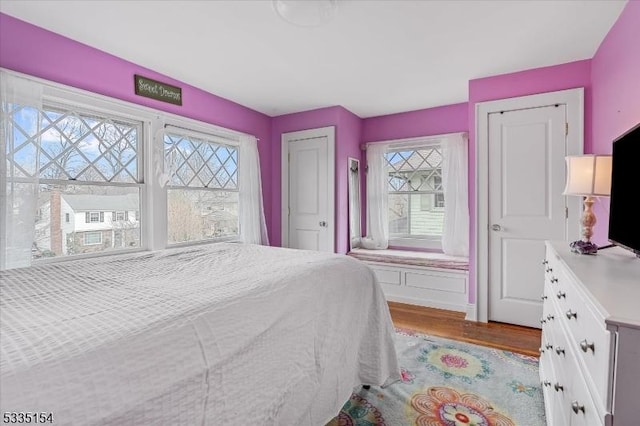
[(583, 247)]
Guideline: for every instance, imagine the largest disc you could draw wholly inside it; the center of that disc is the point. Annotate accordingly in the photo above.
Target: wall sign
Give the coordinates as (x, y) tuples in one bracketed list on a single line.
[(156, 90)]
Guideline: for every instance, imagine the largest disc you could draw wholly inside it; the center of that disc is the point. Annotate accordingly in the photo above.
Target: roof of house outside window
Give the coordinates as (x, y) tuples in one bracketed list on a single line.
[(91, 202)]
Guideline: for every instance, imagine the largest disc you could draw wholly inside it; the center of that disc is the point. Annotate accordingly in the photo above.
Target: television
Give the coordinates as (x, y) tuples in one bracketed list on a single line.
[(624, 216)]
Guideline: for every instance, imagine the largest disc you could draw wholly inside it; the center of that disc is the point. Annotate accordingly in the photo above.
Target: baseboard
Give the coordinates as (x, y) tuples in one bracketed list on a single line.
[(471, 312), (425, 303)]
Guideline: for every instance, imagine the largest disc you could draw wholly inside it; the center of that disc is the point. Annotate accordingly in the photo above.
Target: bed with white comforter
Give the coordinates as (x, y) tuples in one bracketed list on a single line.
[(219, 334)]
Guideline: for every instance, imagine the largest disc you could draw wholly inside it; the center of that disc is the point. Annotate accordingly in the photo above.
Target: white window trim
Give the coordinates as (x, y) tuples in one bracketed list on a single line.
[(415, 242), (210, 134), (153, 197)]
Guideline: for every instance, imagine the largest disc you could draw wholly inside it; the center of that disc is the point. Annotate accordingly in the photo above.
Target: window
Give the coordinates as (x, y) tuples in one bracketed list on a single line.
[(69, 152), (92, 238), (83, 160), (92, 217), (202, 195), (416, 198)]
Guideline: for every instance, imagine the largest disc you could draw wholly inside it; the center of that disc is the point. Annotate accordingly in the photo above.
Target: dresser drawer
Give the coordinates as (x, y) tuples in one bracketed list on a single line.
[(592, 345), (588, 338), (582, 410), (572, 392), (553, 381)]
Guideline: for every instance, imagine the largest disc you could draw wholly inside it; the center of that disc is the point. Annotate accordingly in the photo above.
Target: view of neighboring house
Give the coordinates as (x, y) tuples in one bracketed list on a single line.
[(416, 199), (84, 223)]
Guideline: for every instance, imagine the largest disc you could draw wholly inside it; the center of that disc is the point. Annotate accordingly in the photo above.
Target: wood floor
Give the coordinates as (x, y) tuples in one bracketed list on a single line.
[(452, 325)]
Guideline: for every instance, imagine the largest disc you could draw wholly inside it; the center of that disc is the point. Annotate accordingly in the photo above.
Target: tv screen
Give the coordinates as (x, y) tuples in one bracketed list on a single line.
[(624, 216)]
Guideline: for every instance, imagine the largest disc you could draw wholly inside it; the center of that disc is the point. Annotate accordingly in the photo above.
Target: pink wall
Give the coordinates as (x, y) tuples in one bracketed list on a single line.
[(615, 76), (32, 50), (424, 122), (348, 128), (347, 145), (538, 80)]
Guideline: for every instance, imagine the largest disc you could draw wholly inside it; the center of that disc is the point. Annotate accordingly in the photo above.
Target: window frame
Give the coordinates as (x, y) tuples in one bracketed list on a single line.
[(422, 242), (209, 134), (152, 211), (56, 96)]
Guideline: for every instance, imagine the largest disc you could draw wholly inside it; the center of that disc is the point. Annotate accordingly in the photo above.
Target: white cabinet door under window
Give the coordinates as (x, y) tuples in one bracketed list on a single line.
[(309, 178)]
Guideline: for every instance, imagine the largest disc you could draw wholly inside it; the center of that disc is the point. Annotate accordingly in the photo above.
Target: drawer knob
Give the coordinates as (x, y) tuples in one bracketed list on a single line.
[(576, 407), (546, 383), (549, 269), (543, 297), (550, 317), (585, 346), (541, 350), (571, 314), (558, 387), (544, 262), (548, 346), (542, 320), (554, 280), (561, 294), (559, 350)]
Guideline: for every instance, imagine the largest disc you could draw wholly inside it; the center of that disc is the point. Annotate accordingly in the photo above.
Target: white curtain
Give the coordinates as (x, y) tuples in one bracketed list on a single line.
[(455, 238), (377, 197), (21, 99), (253, 228)]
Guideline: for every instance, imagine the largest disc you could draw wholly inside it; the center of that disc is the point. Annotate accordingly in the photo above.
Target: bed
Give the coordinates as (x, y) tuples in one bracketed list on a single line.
[(217, 334)]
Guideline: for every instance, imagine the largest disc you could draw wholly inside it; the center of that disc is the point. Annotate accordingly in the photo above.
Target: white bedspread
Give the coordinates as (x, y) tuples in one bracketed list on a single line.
[(219, 334)]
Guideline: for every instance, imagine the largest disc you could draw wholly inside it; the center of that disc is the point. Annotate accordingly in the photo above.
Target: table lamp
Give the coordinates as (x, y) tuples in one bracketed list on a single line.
[(588, 176)]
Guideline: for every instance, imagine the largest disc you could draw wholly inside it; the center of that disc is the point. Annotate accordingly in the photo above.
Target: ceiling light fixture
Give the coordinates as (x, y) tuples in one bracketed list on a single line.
[(305, 13)]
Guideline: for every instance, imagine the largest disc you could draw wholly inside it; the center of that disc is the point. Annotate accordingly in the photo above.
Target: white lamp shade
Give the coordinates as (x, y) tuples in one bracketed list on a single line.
[(588, 175)]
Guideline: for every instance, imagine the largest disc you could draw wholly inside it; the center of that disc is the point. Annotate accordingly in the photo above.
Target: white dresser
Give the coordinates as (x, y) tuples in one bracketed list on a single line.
[(590, 349)]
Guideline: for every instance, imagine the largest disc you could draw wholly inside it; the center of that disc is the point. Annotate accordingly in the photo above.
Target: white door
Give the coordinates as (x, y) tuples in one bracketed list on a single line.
[(526, 178), (308, 189)]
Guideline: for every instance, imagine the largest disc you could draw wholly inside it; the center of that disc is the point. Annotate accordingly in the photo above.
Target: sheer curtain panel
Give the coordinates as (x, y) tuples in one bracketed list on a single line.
[(253, 228), (377, 197), (455, 237), (19, 168)]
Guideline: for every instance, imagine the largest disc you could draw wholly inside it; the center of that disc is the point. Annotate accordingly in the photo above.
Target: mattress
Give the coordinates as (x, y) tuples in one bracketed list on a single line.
[(218, 334)]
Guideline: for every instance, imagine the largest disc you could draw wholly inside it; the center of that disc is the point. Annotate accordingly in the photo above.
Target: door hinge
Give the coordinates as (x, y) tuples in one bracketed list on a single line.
[(566, 212), (566, 129)]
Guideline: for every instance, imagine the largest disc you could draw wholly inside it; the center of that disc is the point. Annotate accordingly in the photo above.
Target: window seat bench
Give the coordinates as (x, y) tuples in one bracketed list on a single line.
[(427, 279)]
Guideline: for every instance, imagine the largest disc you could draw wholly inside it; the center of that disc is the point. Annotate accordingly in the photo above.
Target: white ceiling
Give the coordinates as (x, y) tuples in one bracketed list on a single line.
[(374, 57)]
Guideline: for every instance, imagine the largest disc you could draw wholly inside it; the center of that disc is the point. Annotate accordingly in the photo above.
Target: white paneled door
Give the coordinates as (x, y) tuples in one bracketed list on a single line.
[(308, 189), (526, 175)]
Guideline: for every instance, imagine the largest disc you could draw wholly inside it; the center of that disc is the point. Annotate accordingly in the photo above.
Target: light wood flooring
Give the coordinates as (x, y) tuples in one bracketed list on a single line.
[(452, 325)]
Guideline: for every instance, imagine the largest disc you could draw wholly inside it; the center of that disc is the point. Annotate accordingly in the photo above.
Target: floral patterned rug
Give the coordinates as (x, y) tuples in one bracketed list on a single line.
[(445, 382)]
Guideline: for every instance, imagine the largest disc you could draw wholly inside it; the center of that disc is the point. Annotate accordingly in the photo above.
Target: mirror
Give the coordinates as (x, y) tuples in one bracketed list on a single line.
[(355, 226)]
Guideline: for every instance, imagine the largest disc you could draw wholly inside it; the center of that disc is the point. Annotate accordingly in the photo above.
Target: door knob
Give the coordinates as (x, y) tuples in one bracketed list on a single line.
[(496, 227), (323, 224)]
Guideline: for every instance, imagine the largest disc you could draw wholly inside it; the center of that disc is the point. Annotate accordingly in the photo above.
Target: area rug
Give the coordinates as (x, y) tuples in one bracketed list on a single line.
[(445, 382)]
